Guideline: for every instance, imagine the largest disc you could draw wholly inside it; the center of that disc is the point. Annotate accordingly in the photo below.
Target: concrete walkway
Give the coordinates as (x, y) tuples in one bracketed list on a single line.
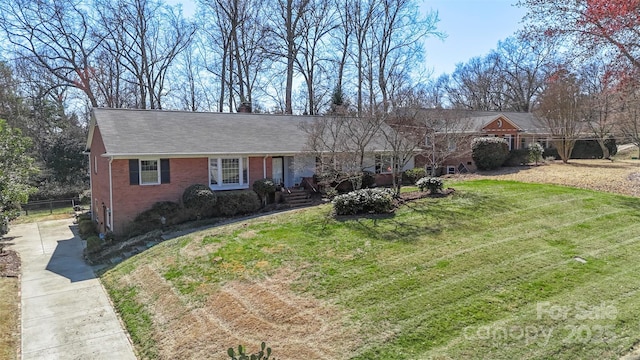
[(66, 313)]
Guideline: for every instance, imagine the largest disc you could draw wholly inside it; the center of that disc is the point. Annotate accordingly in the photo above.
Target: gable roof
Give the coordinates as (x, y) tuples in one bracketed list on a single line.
[(524, 121), (132, 132), (474, 121)]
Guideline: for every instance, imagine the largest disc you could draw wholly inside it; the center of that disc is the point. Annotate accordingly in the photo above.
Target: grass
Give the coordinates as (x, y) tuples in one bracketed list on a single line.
[(10, 324), (489, 272), (44, 215)]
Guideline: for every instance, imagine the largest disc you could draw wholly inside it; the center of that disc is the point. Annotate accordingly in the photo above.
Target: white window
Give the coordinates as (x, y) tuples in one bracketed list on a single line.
[(508, 139), (384, 164), (428, 141), (429, 170), (95, 164), (149, 172), (228, 173), (451, 170), (451, 144)]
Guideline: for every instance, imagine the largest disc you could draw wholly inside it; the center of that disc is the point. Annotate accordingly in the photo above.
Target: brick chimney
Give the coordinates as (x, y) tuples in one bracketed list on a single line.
[(245, 107)]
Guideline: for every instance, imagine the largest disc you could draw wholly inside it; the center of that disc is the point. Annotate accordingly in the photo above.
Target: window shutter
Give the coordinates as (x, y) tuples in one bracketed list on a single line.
[(165, 171), (134, 172)]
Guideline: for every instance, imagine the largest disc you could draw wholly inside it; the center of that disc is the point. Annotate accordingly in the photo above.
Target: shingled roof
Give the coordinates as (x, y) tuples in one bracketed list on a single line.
[(130, 132), (526, 121)]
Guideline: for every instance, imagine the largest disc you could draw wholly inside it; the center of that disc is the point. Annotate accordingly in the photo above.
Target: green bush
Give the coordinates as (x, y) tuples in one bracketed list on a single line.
[(200, 198), (236, 202), (412, 175), (87, 228), (263, 354), (368, 179), (171, 211), (85, 197), (84, 216), (93, 244), (551, 153), (432, 183), (535, 152), (378, 200), (590, 149), (517, 157), (264, 188), (585, 149), (489, 152)]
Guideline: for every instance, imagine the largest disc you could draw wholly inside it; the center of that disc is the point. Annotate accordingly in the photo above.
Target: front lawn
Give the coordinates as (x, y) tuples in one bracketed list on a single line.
[(500, 270)]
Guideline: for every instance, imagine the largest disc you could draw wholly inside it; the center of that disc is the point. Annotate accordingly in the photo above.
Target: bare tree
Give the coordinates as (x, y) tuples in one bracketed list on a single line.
[(588, 27), (436, 135), (599, 87), (55, 35), (148, 36), (342, 145), (560, 109), (475, 85), (628, 106), (523, 64), (313, 58), (234, 39), (286, 26), (398, 35)]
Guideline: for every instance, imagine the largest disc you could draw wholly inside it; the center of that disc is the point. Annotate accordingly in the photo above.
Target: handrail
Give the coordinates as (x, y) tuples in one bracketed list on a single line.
[(306, 180)]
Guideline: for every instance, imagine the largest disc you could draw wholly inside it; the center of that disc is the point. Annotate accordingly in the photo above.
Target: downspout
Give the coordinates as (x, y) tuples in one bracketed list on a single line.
[(264, 167), (110, 196), (91, 167)]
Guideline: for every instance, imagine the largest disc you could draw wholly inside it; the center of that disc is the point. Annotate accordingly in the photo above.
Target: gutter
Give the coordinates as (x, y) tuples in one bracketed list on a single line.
[(110, 196)]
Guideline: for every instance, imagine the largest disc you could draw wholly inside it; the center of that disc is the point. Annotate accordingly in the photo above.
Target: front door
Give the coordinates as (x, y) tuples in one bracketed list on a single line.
[(277, 170)]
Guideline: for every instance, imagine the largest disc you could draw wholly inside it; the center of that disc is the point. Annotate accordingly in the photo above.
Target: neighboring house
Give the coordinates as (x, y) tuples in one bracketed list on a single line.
[(140, 157), (517, 128)]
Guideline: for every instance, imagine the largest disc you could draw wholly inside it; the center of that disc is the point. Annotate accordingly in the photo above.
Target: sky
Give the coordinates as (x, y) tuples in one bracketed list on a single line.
[(473, 28)]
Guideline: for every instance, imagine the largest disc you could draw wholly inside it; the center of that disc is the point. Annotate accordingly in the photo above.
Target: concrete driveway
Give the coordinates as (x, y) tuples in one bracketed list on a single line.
[(66, 313)]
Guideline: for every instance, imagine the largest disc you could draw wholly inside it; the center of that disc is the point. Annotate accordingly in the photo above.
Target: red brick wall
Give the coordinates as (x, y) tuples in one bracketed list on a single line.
[(256, 169), (99, 179), (130, 200)]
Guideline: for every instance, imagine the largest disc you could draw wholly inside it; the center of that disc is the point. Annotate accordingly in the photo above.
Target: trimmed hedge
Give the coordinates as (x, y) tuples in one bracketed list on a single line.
[(93, 244), (200, 198), (151, 219), (87, 228), (264, 188), (489, 152), (412, 175), (377, 200), (585, 149), (236, 202), (517, 157), (590, 149)]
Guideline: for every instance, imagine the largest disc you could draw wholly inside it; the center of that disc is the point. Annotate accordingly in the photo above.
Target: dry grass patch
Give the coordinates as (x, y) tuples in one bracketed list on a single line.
[(9, 313), (240, 312), (619, 177)]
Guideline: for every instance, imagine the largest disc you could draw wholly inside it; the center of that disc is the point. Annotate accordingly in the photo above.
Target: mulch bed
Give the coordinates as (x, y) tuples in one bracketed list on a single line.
[(9, 263)]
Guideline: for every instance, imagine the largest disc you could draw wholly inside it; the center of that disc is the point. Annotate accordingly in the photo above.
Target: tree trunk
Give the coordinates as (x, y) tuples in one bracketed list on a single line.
[(605, 149)]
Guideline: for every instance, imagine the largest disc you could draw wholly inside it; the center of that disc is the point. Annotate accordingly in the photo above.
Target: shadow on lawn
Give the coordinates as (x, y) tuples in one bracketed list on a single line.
[(603, 166), (392, 230), (434, 215)]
